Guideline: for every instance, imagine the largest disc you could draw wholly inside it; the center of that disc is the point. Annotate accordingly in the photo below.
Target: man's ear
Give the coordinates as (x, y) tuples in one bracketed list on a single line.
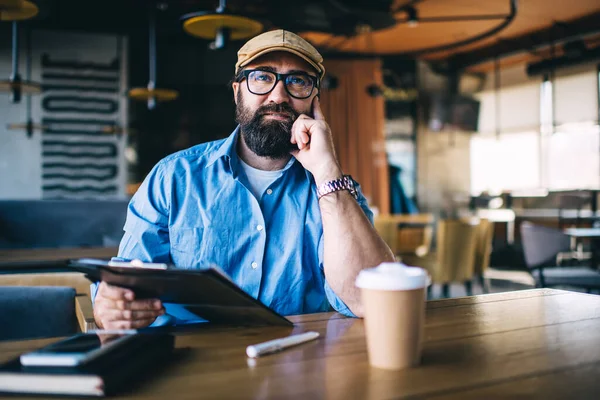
[(235, 86)]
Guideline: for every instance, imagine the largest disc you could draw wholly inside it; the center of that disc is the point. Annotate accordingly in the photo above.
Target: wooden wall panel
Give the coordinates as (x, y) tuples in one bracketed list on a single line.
[(357, 123)]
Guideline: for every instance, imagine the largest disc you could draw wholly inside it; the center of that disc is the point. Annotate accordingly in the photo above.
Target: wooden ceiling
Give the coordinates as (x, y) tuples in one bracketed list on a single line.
[(532, 15), (515, 43)]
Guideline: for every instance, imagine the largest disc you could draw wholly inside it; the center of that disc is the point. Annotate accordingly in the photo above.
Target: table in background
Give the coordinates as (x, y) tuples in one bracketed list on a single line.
[(540, 342), (37, 260), (583, 233), (501, 215), (587, 233)]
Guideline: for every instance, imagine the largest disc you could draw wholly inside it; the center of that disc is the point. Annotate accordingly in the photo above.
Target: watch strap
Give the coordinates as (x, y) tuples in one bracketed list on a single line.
[(344, 183)]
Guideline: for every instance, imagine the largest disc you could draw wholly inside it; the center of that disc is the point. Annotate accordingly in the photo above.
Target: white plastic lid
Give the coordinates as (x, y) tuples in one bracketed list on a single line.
[(393, 276)]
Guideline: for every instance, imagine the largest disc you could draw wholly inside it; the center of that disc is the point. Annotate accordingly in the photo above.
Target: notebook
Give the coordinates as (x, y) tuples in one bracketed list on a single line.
[(206, 292), (117, 370)]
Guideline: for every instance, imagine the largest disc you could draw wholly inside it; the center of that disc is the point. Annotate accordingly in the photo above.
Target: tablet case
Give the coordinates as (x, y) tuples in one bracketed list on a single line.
[(206, 292)]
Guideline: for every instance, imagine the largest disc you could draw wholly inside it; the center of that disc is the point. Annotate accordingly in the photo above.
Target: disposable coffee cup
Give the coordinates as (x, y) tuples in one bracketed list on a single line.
[(393, 297)]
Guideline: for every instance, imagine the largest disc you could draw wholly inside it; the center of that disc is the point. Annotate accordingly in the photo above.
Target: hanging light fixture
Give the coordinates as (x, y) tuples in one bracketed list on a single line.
[(17, 10), (151, 94), (28, 126), (15, 85), (497, 110), (220, 26), (412, 19)]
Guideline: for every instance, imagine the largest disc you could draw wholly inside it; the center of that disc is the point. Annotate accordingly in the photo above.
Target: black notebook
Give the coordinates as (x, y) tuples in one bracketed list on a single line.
[(206, 292), (118, 370)]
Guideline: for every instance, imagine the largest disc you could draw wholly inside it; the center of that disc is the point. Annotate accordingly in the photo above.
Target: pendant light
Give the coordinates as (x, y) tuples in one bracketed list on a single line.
[(28, 126), (220, 26), (497, 117), (17, 10), (15, 85), (151, 94)]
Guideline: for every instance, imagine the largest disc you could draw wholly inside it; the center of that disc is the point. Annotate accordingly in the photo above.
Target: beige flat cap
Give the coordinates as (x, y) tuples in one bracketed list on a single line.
[(279, 40)]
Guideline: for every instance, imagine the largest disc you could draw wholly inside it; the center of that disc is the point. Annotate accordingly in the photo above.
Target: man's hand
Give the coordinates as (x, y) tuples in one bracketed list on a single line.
[(315, 145), (116, 308)]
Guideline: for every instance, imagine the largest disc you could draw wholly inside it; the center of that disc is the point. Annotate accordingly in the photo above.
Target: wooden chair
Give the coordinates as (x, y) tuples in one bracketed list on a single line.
[(483, 250), (388, 230), (406, 234), (454, 257), (83, 305)]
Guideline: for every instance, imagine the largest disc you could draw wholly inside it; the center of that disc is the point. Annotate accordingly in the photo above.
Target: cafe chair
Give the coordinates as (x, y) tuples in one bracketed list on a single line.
[(541, 245), (388, 231), (406, 234), (28, 312), (454, 257), (483, 251), (82, 302)]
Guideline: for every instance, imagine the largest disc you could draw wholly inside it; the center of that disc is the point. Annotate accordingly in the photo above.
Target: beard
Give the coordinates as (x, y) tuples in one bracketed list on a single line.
[(267, 137)]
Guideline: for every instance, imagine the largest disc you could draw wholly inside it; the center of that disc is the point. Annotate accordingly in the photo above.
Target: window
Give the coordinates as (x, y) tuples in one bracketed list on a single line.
[(510, 162), (569, 130), (561, 153)]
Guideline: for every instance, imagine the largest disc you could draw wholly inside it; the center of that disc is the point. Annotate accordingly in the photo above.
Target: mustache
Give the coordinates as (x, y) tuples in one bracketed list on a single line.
[(282, 108)]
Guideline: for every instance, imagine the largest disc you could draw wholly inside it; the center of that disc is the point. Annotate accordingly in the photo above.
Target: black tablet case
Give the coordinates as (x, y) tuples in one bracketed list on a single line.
[(206, 292)]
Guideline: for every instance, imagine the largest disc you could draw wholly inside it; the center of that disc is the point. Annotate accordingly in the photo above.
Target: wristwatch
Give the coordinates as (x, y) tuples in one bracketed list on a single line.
[(344, 183)]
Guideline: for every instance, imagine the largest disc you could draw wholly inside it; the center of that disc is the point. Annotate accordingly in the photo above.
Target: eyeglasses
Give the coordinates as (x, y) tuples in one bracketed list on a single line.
[(298, 84)]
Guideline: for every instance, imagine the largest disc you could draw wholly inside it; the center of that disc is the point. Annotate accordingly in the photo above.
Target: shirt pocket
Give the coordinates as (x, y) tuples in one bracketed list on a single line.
[(200, 246), (186, 245), (215, 247)]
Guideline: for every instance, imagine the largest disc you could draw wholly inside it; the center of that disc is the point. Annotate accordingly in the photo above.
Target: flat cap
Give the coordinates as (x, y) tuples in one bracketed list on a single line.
[(279, 40)]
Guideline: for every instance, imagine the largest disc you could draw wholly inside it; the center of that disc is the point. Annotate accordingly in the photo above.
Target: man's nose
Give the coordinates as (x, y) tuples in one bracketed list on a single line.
[(279, 95)]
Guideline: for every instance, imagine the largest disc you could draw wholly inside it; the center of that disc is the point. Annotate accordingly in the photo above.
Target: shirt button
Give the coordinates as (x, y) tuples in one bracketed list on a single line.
[(254, 265), (259, 228), (269, 191)]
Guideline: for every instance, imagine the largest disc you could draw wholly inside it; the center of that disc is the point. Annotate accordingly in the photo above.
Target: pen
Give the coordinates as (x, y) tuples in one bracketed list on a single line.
[(272, 346)]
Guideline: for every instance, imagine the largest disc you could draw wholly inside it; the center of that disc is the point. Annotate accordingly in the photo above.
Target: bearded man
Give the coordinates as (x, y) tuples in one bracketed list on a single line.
[(270, 204)]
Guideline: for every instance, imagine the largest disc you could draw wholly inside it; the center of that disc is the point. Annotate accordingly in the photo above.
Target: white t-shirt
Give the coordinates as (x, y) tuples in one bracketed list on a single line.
[(260, 180)]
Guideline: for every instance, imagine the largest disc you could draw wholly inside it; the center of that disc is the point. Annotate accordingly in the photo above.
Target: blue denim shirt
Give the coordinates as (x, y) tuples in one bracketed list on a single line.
[(195, 208)]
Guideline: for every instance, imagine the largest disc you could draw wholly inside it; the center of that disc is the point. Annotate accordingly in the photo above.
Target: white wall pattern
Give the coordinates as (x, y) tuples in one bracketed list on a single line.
[(83, 78)]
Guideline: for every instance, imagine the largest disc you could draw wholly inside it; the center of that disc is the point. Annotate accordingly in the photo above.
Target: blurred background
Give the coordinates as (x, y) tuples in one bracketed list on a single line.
[(443, 110)]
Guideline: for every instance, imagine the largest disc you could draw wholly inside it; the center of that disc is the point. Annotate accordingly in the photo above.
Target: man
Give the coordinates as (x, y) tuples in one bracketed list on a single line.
[(269, 204)]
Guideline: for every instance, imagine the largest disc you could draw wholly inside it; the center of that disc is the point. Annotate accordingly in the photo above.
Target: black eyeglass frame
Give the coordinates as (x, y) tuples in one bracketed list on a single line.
[(279, 77)]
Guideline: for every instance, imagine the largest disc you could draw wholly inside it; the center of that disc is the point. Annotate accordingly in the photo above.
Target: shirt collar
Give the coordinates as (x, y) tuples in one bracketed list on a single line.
[(227, 150)]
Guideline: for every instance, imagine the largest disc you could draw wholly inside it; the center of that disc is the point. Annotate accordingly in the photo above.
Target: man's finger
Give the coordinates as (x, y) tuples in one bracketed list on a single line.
[(296, 133), (317, 112), (114, 292), (140, 305), (128, 315), (142, 323), (301, 130)]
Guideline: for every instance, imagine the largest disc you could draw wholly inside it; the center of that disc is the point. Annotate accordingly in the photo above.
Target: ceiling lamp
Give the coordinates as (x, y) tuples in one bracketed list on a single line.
[(220, 26), (151, 94), (25, 87), (15, 85), (17, 10), (411, 16)]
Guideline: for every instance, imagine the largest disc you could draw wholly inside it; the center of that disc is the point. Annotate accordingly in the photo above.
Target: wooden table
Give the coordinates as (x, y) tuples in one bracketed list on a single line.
[(542, 343), (37, 260)]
